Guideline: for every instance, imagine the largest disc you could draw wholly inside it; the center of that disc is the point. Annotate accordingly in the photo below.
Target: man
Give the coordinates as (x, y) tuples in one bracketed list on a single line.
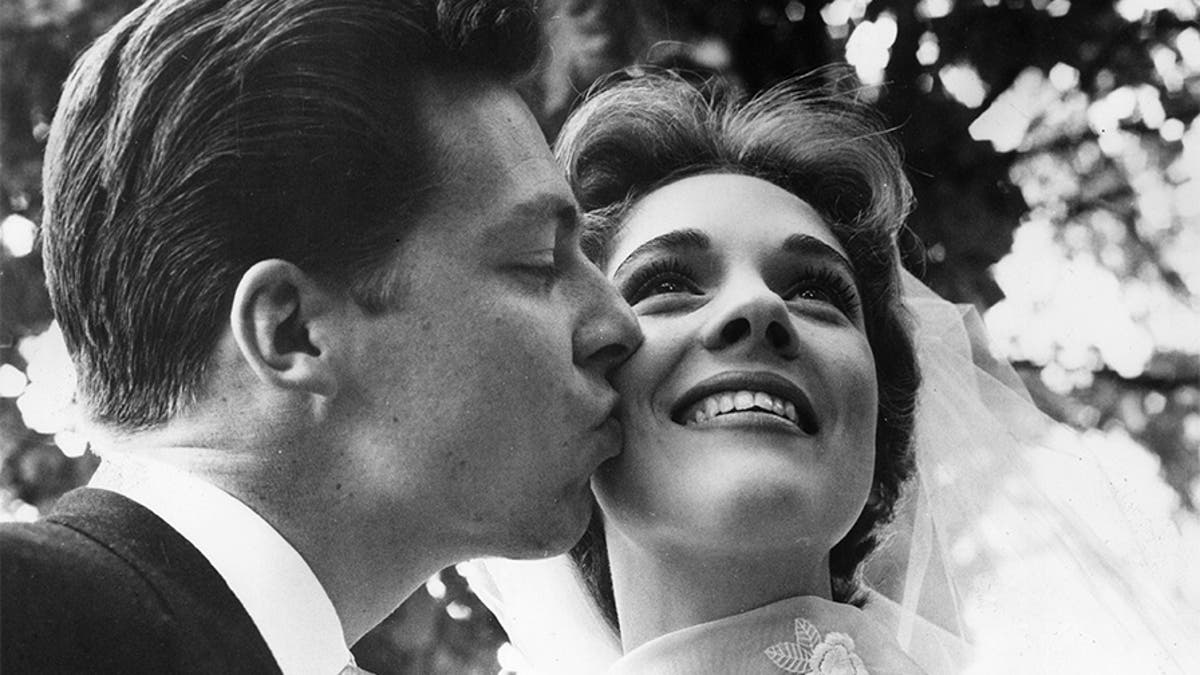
[(322, 283)]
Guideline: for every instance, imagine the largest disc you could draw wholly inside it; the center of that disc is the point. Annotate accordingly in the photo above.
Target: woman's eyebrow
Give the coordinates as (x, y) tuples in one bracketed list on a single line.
[(676, 241), (809, 246)]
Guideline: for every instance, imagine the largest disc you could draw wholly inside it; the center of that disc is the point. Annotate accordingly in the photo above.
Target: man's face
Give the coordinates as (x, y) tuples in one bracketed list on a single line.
[(479, 405)]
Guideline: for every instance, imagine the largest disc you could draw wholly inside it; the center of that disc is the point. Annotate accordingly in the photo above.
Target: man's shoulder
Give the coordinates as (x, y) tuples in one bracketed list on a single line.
[(69, 601), (101, 580), (70, 551), (47, 558)]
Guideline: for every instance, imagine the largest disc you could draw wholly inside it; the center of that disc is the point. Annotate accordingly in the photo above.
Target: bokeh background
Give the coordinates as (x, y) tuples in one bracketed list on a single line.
[(1053, 145)]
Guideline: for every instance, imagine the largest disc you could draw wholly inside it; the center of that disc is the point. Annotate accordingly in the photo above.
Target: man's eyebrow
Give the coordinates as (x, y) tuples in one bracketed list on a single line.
[(812, 247), (671, 242), (537, 210)]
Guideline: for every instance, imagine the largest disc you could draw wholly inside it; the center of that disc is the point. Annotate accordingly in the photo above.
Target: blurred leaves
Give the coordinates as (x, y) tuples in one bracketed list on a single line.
[(443, 628)]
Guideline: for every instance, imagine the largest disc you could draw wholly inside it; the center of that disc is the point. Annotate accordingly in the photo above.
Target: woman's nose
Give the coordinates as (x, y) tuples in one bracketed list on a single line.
[(755, 320)]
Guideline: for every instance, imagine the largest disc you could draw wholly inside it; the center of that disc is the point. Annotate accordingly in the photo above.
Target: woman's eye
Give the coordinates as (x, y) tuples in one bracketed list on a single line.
[(660, 278), (816, 293), (661, 285), (666, 286), (826, 288)]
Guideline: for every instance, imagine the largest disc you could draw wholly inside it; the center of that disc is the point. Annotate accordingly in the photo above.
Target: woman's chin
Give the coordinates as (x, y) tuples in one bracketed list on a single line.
[(738, 508), (748, 481)]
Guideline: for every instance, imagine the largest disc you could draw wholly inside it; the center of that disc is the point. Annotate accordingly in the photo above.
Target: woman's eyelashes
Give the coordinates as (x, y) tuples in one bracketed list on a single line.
[(826, 286), (663, 276)]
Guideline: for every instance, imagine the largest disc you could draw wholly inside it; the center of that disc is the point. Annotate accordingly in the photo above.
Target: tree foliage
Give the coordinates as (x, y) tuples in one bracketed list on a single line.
[(1053, 147)]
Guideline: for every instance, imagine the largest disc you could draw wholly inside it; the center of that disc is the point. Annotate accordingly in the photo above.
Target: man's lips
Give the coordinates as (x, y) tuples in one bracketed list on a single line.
[(612, 439), (760, 392)]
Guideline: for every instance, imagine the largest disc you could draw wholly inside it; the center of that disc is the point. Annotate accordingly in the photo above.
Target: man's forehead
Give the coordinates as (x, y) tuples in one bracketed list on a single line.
[(491, 163), (459, 113)]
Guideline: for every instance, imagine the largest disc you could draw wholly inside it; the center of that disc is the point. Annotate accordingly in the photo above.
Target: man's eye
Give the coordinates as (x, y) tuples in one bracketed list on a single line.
[(542, 273), (546, 272)]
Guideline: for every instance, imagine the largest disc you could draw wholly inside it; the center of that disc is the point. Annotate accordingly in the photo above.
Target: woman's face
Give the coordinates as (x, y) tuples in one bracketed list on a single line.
[(749, 411)]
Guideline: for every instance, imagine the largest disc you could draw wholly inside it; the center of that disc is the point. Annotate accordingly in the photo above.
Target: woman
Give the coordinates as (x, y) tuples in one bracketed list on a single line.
[(769, 414)]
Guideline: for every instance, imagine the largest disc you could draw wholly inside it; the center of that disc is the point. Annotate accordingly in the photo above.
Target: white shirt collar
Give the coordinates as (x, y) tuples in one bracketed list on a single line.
[(276, 587)]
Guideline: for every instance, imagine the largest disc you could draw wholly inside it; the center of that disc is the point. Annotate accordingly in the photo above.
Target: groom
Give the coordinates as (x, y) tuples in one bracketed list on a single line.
[(322, 284)]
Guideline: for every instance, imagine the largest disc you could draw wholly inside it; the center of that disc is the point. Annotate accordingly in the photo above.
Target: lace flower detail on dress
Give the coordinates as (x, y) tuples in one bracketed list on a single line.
[(810, 655)]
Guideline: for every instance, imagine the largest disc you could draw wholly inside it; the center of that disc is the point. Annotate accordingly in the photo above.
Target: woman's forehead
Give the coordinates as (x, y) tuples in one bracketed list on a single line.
[(730, 209)]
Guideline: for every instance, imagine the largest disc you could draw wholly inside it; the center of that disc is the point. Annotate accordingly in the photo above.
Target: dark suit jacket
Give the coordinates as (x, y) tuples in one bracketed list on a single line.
[(102, 585)]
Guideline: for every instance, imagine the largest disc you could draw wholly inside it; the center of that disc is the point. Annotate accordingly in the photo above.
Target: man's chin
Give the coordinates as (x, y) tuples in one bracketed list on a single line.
[(547, 537)]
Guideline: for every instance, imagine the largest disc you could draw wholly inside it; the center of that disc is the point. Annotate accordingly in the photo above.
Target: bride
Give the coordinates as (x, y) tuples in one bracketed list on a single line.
[(795, 491)]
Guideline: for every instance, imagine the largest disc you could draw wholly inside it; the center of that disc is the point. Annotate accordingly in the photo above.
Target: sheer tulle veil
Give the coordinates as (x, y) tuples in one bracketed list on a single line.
[(1014, 547)]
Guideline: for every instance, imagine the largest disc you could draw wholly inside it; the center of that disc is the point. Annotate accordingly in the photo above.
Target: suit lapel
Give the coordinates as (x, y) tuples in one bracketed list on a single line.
[(212, 622)]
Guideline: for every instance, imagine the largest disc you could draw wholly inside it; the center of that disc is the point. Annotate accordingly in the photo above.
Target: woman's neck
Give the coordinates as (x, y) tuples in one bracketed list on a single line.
[(662, 591)]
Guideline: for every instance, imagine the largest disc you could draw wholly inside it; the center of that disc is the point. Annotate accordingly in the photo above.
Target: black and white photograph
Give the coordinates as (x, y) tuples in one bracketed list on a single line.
[(600, 337)]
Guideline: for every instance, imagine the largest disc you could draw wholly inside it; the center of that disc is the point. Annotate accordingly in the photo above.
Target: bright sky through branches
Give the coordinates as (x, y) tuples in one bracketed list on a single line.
[(18, 234), (962, 81), (870, 48)]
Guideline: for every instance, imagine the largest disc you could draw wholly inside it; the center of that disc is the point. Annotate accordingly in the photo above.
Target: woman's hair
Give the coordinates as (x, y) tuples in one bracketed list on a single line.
[(811, 136)]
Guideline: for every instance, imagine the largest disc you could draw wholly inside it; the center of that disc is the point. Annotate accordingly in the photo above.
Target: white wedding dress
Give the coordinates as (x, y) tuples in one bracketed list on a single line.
[(794, 635)]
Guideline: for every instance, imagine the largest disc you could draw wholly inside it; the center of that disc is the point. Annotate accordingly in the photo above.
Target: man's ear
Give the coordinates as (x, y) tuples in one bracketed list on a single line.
[(275, 309)]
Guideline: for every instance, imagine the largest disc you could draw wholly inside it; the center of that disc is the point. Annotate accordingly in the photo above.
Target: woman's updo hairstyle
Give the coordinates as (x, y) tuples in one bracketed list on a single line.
[(811, 136)]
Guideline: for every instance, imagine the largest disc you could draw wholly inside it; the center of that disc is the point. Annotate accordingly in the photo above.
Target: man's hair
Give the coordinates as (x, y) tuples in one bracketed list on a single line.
[(820, 143), (197, 137)]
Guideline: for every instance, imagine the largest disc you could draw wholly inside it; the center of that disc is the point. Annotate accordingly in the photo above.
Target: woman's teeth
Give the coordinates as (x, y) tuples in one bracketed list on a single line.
[(736, 401)]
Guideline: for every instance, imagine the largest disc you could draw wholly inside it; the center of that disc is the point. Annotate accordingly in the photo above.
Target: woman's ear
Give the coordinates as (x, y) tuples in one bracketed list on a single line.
[(274, 311)]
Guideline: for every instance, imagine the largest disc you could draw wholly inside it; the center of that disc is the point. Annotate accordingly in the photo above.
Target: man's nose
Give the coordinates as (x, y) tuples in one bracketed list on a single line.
[(609, 332)]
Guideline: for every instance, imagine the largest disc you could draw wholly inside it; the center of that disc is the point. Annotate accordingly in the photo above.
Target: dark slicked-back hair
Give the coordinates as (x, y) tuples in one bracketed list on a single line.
[(810, 136), (198, 137)]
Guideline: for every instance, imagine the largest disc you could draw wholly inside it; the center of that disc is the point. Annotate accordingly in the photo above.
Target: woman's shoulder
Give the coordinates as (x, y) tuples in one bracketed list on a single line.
[(803, 634)]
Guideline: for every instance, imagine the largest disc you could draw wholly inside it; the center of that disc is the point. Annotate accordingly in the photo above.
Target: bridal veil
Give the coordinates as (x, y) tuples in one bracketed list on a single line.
[(1014, 548)]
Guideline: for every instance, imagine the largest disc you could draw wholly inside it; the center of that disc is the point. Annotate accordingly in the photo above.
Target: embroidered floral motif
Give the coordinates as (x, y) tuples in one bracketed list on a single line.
[(810, 655)]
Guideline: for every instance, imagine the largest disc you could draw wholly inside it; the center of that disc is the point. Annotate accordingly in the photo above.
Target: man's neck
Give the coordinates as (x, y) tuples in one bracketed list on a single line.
[(366, 576), (275, 585)]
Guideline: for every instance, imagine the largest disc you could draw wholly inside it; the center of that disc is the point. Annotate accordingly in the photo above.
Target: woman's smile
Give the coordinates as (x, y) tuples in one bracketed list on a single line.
[(747, 398), (735, 404)]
